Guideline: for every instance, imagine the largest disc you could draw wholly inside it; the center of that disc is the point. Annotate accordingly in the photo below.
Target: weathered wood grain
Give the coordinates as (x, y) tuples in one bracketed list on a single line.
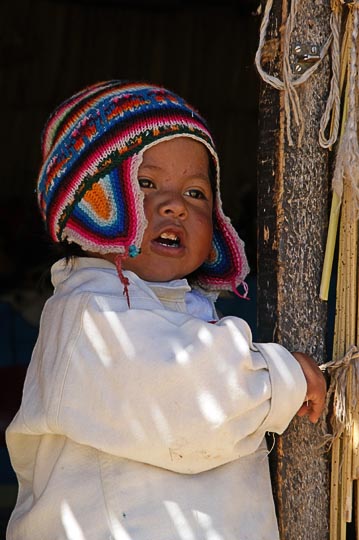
[(292, 221)]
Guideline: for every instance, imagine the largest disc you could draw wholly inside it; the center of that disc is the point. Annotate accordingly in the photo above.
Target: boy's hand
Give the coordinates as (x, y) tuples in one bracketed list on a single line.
[(316, 388)]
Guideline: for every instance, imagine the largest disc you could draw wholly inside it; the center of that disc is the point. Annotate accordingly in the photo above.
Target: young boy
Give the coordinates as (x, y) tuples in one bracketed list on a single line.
[(143, 416)]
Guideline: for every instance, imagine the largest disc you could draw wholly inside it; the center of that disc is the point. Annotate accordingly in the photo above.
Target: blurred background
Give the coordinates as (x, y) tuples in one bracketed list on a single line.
[(49, 49)]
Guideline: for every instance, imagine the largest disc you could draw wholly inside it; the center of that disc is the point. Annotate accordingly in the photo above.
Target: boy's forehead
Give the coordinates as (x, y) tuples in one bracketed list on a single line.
[(177, 148), (183, 140)]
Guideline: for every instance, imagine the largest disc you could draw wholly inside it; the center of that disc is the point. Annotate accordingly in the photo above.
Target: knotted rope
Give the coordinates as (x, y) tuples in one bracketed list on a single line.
[(342, 395), (289, 83)]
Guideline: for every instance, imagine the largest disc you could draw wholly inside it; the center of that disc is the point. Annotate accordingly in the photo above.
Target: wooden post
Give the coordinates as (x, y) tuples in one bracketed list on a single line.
[(292, 221)]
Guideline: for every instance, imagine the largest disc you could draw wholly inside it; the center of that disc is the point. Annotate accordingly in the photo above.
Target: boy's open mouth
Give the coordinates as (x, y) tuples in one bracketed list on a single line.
[(169, 239)]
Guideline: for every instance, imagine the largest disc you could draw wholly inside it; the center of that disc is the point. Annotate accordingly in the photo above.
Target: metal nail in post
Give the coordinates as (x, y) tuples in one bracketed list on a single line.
[(304, 56)]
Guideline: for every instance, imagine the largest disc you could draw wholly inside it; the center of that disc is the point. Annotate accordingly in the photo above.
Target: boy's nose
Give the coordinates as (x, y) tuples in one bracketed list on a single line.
[(172, 204)]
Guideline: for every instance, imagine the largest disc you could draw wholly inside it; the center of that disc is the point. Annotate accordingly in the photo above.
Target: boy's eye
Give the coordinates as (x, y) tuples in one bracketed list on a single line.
[(195, 194), (145, 183)]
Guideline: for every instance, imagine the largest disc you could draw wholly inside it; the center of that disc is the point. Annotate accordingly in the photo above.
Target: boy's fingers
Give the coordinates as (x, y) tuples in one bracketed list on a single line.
[(314, 414), (314, 403), (303, 410), (313, 408)]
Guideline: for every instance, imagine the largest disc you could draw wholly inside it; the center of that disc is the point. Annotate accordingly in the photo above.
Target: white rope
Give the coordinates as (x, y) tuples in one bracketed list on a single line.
[(270, 79), (289, 83), (291, 99), (343, 383), (347, 160), (332, 109)]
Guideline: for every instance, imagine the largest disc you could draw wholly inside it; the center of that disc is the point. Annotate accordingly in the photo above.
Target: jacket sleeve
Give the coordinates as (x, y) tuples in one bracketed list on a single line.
[(166, 389)]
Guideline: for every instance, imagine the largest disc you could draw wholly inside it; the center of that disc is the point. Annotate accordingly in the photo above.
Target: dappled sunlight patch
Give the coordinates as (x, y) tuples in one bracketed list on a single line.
[(210, 408), (137, 428), (120, 333), (97, 340), (118, 531), (234, 387), (281, 364), (205, 336), (160, 422), (182, 355), (179, 520), (240, 340), (72, 528), (205, 521)]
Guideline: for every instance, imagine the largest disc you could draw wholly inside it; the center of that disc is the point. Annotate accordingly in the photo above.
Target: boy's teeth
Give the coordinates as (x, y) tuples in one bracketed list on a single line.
[(169, 236), (169, 239)]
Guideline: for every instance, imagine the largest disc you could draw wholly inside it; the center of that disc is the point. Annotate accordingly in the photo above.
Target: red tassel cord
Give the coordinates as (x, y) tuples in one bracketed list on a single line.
[(124, 280), (245, 294)]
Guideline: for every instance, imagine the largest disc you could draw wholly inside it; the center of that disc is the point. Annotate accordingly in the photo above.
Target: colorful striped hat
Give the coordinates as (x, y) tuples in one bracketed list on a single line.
[(87, 187)]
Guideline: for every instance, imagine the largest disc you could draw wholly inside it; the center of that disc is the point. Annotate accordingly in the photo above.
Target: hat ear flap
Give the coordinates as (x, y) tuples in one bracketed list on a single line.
[(227, 266), (107, 213)]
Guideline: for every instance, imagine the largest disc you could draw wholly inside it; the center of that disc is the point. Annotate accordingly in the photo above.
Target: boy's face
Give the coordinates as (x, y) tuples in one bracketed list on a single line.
[(174, 177)]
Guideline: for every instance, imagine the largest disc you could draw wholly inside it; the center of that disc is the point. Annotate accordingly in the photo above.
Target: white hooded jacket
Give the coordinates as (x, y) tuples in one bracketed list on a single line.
[(145, 423)]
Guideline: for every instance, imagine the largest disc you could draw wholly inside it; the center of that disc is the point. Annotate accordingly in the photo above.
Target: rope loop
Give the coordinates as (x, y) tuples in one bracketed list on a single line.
[(342, 395), (289, 83)]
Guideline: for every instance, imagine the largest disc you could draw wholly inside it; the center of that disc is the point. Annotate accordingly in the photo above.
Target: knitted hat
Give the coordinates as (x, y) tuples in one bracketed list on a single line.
[(87, 188)]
